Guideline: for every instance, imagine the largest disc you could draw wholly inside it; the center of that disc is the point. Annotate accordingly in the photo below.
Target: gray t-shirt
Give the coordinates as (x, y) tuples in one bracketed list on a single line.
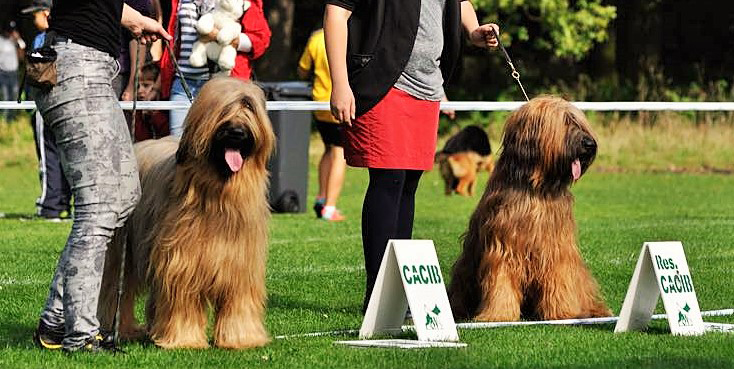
[(422, 77)]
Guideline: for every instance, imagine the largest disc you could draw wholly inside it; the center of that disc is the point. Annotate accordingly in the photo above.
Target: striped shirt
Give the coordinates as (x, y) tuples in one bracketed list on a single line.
[(188, 14)]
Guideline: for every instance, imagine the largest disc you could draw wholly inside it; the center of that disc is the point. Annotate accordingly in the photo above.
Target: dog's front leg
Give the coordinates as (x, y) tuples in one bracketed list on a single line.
[(569, 291), (500, 288), (239, 321), (179, 320)]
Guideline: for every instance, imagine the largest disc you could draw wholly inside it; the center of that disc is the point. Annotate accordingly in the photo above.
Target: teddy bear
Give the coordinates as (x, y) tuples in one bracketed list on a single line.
[(225, 19)]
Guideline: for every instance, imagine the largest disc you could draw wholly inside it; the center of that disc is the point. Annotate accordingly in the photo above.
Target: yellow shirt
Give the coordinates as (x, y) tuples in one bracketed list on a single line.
[(314, 57)]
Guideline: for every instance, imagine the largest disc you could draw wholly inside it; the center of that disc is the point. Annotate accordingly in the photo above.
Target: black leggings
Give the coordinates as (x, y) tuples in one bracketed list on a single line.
[(387, 213)]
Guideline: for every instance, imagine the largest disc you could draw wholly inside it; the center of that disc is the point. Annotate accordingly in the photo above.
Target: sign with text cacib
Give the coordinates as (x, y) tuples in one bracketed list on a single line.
[(410, 276), (662, 270)]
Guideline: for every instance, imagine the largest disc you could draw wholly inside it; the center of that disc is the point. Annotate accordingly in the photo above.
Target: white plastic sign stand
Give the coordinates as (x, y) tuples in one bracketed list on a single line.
[(410, 276), (662, 270)]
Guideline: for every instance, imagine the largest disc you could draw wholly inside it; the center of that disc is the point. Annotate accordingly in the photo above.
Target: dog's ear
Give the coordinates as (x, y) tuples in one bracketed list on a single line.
[(182, 154)]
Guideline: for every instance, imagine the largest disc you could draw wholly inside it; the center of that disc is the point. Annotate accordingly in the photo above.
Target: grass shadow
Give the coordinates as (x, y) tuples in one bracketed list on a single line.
[(13, 334)]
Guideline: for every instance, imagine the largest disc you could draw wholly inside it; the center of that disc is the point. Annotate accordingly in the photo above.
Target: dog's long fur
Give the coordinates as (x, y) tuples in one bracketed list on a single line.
[(520, 256), (199, 235)]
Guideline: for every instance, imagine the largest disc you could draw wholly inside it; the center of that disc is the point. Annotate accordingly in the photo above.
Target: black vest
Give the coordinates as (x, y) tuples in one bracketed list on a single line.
[(381, 38)]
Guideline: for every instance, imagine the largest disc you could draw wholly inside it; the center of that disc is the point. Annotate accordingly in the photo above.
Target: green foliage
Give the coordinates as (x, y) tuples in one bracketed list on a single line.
[(569, 29)]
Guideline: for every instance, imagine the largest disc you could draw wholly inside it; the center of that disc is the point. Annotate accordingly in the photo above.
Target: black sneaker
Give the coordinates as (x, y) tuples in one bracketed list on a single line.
[(318, 207), (48, 338), (61, 216), (102, 342)]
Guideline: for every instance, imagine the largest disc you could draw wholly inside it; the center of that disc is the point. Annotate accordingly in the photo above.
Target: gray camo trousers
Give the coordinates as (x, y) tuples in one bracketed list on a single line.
[(97, 158)]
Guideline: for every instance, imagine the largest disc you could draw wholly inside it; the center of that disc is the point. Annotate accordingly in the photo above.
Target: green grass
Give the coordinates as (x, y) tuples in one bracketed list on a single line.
[(315, 280)]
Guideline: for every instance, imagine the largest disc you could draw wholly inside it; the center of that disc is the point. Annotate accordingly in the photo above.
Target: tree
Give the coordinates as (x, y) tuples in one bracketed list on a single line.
[(568, 29)]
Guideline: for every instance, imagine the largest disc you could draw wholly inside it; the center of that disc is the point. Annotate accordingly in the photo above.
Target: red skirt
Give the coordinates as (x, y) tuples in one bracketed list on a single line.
[(397, 133)]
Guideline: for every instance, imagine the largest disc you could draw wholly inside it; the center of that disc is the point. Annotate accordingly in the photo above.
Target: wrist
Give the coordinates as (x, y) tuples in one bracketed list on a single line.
[(244, 44)]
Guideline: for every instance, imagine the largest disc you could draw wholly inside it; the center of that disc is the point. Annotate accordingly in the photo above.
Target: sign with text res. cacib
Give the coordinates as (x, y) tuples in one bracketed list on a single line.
[(662, 270), (410, 276)]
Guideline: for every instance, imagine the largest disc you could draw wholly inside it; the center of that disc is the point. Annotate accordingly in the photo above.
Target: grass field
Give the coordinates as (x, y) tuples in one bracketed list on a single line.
[(315, 279)]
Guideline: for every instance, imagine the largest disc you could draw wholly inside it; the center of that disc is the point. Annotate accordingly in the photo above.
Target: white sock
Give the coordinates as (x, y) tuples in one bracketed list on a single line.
[(328, 212)]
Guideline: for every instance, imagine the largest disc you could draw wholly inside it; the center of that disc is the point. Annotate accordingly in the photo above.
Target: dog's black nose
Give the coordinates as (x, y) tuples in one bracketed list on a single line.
[(236, 132), (588, 144)]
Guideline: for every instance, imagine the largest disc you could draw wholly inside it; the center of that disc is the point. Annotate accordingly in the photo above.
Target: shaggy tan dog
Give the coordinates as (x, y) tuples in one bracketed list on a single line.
[(520, 256), (199, 235)]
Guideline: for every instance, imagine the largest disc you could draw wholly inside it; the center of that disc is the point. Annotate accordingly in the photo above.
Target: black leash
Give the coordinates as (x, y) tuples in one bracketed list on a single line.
[(514, 73), (178, 71)]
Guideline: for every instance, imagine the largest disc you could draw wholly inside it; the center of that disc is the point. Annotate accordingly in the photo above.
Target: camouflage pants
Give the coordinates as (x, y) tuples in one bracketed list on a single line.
[(97, 158)]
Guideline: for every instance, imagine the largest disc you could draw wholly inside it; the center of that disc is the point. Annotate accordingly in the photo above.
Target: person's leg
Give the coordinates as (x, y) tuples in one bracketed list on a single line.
[(331, 134), (177, 116), (13, 85), (324, 168), (5, 93), (55, 192), (335, 179), (407, 204), (95, 151), (379, 219)]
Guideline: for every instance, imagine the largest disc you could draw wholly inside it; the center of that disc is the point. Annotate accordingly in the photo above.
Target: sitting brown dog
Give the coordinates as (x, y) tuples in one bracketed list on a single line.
[(520, 256)]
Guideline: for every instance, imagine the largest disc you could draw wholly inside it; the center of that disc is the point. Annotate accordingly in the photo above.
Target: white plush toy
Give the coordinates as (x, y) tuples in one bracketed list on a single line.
[(225, 18)]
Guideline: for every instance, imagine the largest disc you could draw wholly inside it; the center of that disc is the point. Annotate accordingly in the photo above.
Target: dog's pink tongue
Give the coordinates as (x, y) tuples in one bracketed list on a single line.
[(576, 169), (234, 159)]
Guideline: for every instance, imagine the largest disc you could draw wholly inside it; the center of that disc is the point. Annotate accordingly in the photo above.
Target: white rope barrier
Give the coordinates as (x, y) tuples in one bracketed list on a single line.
[(479, 325), (455, 105)]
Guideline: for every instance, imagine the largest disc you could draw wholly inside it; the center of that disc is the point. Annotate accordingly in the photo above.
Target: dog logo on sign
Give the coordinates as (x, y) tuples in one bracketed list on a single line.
[(432, 321), (683, 316)]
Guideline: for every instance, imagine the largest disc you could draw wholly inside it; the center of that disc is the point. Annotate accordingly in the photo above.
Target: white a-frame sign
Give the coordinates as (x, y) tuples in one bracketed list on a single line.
[(661, 270), (410, 276)]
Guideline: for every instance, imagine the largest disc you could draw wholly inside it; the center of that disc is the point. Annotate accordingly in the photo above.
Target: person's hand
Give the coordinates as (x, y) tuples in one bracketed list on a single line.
[(450, 113), (483, 36), (235, 42), (147, 30), (127, 95), (209, 37), (343, 106)]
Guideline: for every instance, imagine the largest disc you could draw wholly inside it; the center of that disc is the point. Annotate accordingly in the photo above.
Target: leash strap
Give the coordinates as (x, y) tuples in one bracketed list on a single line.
[(136, 83), (514, 73), (178, 71)]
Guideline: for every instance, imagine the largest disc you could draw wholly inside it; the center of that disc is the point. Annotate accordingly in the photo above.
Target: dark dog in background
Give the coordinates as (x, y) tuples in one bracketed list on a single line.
[(464, 154)]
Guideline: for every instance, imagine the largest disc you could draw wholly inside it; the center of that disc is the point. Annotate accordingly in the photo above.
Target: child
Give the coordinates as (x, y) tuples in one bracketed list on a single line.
[(150, 124), (332, 164)]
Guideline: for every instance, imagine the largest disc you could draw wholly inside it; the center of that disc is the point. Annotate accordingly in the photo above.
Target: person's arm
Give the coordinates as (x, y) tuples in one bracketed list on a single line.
[(156, 49), (255, 37), (450, 113), (335, 32), (137, 50), (142, 27), (481, 36), (305, 63)]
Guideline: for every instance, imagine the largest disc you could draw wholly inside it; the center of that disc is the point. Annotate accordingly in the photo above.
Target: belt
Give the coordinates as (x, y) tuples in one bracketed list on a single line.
[(61, 39)]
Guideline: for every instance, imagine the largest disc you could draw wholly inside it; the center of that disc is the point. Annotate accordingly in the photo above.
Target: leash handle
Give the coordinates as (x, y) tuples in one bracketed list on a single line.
[(515, 74), (178, 71)]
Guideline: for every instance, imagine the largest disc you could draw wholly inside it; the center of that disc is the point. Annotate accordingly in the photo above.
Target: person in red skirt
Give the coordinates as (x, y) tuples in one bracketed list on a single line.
[(389, 61)]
